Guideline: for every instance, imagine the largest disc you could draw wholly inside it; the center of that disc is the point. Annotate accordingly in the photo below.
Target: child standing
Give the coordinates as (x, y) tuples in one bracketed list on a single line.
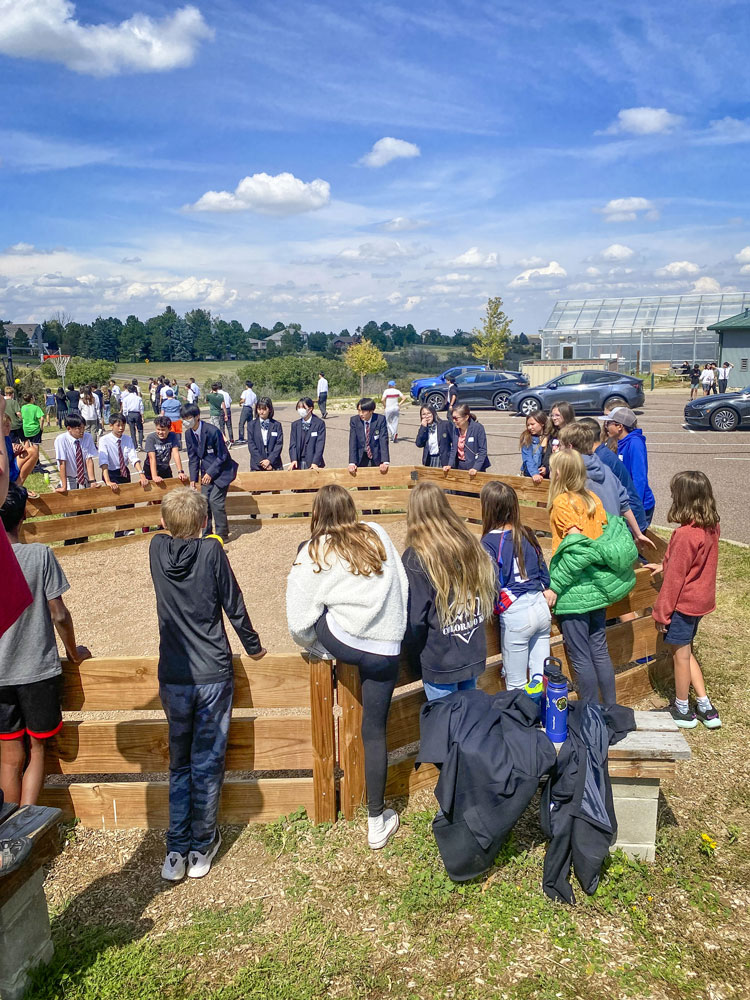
[(688, 591), (32, 417), (522, 585), (30, 663), (451, 594), (194, 583), (211, 467), (622, 425), (535, 443), (162, 447)]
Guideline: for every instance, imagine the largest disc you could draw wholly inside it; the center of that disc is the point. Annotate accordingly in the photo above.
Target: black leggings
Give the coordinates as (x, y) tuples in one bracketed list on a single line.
[(377, 675)]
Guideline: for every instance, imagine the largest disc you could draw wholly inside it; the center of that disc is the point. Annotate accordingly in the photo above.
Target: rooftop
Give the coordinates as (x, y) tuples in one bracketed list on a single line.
[(739, 322)]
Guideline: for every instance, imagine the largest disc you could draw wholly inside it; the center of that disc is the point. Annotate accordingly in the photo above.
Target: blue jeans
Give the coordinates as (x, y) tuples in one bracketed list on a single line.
[(434, 691), (198, 717)]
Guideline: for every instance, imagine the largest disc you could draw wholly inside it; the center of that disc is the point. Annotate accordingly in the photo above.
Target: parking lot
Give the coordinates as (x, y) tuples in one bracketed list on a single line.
[(725, 458)]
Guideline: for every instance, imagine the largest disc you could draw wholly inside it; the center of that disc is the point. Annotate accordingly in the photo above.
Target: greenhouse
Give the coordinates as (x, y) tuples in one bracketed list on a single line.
[(660, 328)]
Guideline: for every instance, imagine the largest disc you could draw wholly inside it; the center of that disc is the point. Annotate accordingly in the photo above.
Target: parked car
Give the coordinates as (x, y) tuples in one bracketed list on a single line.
[(441, 381), (588, 391), (726, 412), (485, 390)]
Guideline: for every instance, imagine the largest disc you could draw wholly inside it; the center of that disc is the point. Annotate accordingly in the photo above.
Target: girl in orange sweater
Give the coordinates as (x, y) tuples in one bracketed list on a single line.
[(688, 591)]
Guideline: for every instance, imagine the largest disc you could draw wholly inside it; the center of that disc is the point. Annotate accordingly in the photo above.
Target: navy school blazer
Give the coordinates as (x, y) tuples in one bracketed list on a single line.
[(308, 446), (259, 451), (208, 454), (378, 440), (475, 448), (445, 440)]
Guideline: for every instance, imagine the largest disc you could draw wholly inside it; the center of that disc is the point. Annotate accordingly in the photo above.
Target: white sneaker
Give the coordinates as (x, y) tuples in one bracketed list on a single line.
[(381, 828), (200, 864), (174, 866)]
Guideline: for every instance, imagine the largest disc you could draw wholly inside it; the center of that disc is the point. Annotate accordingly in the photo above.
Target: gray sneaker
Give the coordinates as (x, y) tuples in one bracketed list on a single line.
[(685, 720), (200, 864)]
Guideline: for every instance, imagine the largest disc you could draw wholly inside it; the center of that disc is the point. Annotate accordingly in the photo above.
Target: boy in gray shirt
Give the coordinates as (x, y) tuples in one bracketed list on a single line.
[(30, 663)]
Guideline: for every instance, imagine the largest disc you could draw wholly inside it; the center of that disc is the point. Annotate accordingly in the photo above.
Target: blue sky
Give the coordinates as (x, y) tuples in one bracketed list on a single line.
[(334, 162)]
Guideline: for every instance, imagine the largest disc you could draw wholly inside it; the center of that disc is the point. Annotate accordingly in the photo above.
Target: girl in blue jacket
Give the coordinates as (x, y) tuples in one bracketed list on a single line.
[(534, 443)]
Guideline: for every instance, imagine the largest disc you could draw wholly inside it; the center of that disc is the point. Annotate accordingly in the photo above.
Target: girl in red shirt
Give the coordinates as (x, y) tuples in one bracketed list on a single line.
[(688, 591)]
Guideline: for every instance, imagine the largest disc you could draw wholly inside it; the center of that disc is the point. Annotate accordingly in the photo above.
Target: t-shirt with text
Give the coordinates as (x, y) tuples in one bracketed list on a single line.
[(162, 449)]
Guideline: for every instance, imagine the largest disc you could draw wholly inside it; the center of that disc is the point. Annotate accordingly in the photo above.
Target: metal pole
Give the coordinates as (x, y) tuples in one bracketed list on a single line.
[(695, 339)]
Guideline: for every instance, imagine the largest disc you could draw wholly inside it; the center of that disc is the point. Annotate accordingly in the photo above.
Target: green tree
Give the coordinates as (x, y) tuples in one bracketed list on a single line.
[(365, 358), (182, 341), (523, 340), (133, 339), (202, 332), (52, 334), (237, 341), (291, 342), (106, 338), (20, 342), (86, 341), (70, 342), (278, 326), (491, 340), (317, 342), (160, 329)]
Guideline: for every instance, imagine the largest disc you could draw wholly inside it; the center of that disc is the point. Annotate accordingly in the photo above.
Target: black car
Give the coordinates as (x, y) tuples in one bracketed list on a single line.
[(726, 412), (481, 390)]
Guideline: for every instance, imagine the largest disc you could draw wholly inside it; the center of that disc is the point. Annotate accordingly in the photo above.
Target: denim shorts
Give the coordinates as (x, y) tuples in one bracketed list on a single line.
[(681, 630)]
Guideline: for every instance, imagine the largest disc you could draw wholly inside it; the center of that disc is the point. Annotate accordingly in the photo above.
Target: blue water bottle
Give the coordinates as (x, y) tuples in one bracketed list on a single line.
[(555, 701)]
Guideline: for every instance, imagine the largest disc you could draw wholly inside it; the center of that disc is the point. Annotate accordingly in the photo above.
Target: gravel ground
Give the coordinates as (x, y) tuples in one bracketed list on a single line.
[(126, 625)]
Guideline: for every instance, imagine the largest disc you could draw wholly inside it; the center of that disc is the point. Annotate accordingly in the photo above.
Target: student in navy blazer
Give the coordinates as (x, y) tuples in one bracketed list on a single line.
[(211, 465), (470, 437), (265, 454), (308, 438), (434, 434), (359, 439)]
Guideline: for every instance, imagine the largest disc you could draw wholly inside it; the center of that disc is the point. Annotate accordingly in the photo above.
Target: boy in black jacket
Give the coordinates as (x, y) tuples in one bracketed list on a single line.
[(194, 583)]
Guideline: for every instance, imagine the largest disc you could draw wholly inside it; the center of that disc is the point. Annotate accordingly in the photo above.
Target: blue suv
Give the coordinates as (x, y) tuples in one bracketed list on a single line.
[(420, 384)]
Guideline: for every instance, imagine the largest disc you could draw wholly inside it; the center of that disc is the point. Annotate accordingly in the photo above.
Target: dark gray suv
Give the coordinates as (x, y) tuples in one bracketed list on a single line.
[(587, 391)]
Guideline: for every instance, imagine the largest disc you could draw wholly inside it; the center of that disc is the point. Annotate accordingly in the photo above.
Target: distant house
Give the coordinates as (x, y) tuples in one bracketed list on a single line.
[(276, 337), (257, 345), (341, 343), (33, 332), (426, 333)]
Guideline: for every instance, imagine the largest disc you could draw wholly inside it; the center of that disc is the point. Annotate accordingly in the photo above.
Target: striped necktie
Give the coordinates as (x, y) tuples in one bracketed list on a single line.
[(123, 463), (368, 449), (80, 467)]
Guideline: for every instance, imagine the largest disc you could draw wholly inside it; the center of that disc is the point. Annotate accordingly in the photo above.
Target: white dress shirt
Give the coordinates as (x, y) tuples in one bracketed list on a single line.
[(248, 398), (65, 450), (322, 385), (227, 399), (131, 403), (433, 448), (109, 453)]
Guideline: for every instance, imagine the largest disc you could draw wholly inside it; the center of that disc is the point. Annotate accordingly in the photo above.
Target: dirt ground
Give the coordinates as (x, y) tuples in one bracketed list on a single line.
[(126, 625)]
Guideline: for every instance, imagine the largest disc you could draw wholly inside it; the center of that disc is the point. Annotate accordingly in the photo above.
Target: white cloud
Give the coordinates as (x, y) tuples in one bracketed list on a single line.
[(375, 253), (593, 272), (21, 249), (530, 261), (393, 298), (282, 194), (411, 302), (535, 275), (724, 132), (643, 121), (628, 209), (743, 257), (678, 269), (706, 284), (617, 251), (130, 260), (401, 224), (454, 276), (48, 30), (387, 149), (474, 258)]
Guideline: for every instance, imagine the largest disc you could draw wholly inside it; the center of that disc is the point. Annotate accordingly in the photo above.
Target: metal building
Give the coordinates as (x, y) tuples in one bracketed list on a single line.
[(734, 346), (657, 328)]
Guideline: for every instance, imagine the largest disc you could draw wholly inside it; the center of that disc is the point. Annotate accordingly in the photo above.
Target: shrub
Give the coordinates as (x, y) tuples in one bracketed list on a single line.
[(30, 381), (291, 377), (229, 382), (80, 371)]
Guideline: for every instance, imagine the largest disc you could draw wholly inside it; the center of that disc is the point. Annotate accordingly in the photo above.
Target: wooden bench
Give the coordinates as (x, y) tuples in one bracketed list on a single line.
[(25, 938), (636, 767)]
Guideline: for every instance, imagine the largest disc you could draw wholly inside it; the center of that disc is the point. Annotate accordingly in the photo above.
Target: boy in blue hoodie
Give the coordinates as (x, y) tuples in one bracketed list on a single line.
[(622, 423)]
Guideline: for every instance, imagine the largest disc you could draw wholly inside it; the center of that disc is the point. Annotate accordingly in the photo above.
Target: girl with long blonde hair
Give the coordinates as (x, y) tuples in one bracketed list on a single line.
[(346, 599), (451, 593), (522, 583)]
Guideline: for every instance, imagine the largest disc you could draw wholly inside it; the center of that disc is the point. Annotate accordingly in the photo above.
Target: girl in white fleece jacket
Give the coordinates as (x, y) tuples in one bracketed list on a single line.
[(347, 596)]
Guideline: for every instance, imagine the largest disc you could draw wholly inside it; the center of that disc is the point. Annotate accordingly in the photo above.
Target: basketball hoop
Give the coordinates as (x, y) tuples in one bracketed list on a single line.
[(60, 361)]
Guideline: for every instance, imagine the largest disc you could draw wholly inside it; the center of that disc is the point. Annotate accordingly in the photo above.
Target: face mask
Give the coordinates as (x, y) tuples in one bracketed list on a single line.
[(189, 422), (301, 413)]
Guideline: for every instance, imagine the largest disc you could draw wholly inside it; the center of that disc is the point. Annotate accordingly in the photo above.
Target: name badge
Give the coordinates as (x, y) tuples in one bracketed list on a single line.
[(275, 434), (470, 440), (375, 437), (313, 434)]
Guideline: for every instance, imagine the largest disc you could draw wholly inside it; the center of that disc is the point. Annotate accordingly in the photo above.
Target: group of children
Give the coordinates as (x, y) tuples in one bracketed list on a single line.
[(351, 597)]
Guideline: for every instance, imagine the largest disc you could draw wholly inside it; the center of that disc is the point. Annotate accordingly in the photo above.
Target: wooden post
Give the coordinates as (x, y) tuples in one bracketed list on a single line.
[(351, 752), (323, 741)]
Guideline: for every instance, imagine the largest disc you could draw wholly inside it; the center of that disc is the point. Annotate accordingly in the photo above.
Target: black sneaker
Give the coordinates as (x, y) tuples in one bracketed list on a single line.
[(685, 720), (710, 719)]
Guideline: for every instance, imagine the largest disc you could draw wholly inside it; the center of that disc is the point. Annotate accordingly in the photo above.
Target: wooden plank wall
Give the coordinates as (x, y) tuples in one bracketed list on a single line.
[(301, 741)]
